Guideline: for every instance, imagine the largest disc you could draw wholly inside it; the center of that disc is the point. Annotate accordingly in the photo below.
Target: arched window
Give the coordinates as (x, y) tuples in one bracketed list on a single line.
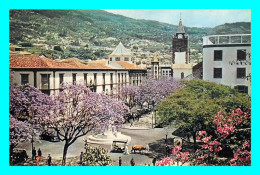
[(182, 75)]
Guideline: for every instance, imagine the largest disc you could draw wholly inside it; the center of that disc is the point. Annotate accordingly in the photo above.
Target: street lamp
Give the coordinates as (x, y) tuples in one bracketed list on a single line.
[(155, 117), (152, 119)]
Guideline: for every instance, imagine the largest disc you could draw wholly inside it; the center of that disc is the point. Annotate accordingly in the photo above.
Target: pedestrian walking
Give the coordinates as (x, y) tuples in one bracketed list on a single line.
[(49, 160), (120, 161), (33, 153), (132, 162), (81, 157), (154, 160), (131, 122), (167, 150), (39, 152)]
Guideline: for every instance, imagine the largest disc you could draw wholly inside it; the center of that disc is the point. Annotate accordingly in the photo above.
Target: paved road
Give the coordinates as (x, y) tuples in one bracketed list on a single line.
[(140, 137)]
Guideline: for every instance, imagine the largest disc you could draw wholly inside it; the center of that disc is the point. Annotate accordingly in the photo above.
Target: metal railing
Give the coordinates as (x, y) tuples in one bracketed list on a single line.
[(227, 39)]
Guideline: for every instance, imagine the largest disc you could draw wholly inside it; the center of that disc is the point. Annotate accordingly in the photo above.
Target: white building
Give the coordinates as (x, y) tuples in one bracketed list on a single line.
[(103, 75), (227, 60)]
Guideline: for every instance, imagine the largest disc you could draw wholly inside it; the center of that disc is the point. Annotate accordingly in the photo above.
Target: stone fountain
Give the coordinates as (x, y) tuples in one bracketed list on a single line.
[(107, 137)]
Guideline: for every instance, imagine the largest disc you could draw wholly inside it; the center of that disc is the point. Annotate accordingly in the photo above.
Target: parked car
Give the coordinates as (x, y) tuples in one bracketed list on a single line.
[(49, 136), (18, 156)]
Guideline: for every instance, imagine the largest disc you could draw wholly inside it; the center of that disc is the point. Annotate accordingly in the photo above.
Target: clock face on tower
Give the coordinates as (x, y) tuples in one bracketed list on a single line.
[(180, 36)]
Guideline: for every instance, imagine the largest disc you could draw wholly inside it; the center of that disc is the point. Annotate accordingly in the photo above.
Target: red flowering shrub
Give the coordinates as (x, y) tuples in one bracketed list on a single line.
[(232, 131)]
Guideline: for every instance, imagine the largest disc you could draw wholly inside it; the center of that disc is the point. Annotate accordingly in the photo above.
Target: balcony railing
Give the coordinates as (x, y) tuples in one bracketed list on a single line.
[(227, 39)]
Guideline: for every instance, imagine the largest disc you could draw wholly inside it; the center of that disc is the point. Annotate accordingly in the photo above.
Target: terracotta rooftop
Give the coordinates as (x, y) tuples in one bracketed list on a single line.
[(75, 63), (127, 65), (35, 61), (98, 64)]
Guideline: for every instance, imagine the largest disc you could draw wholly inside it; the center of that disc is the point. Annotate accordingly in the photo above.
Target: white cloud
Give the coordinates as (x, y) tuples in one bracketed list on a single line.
[(191, 18)]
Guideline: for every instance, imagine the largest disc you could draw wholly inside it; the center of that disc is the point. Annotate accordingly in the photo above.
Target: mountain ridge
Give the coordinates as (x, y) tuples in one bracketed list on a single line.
[(72, 30)]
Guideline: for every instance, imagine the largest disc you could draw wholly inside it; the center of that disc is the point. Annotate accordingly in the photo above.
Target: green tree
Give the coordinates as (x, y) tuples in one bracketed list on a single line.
[(194, 106), (96, 156)]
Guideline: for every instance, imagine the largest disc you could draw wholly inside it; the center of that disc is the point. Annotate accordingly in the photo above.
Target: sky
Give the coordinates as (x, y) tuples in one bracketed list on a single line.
[(190, 18)]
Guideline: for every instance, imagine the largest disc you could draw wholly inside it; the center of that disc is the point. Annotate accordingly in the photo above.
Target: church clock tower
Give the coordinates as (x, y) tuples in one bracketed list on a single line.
[(180, 48)]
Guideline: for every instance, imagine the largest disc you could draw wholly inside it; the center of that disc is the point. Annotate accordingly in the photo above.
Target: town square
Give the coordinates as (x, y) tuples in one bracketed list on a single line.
[(106, 88)]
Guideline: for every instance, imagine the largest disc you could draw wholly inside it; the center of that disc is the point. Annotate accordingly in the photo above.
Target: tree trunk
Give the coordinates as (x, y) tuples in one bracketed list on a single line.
[(194, 140), (66, 146)]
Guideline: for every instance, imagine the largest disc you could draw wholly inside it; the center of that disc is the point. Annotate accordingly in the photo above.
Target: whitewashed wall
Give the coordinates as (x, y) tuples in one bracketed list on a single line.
[(229, 72)]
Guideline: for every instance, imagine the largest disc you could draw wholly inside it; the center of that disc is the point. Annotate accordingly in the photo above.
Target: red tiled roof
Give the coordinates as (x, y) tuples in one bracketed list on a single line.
[(127, 65), (98, 64), (75, 63), (33, 61)]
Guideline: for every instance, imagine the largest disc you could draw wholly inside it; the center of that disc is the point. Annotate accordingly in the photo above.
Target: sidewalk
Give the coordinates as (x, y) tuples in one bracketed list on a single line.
[(134, 127)]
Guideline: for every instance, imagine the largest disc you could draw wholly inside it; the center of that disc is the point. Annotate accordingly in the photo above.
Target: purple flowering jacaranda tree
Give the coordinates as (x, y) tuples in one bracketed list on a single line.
[(28, 107), (79, 111)]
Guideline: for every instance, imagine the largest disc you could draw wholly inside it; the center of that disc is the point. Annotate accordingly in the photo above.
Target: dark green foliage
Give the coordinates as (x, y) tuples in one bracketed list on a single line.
[(26, 44), (195, 106), (96, 156), (58, 48), (236, 28)]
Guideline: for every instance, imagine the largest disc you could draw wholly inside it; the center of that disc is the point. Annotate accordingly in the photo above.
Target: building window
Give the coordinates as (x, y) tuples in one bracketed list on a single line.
[(45, 81), (242, 89), (61, 76), (95, 79), (125, 79), (94, 86), (111, 78), (74, 78), (241, 55), (118, 78), (182, 75), (111, 87), (24, 79), (217, 55), (104, 78), (126, 59), (86, 79), (241, 72), (110, 58), (217, 72), (117, 58), (122, 75)]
